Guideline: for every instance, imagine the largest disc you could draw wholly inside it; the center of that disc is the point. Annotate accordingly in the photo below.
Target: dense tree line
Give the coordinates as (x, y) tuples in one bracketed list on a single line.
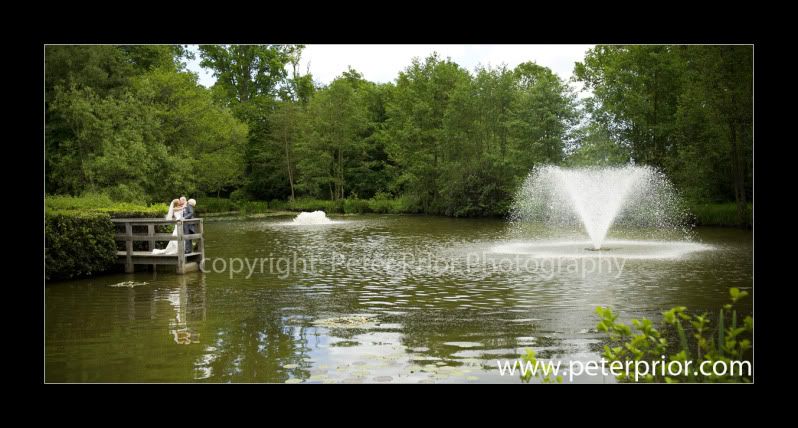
[(685, 109), (130, 121)]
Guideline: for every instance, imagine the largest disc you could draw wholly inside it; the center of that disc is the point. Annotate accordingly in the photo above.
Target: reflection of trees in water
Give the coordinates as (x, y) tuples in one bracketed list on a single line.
[(276, 331), (452, 333), (257, 349), (104, 334), (434, 329)]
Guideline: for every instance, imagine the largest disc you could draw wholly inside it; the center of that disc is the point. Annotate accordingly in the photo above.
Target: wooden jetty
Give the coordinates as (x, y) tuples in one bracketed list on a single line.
[(184, 262)]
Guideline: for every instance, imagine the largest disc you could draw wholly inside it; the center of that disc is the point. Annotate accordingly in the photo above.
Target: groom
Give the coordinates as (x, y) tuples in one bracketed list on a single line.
[(188, 213)]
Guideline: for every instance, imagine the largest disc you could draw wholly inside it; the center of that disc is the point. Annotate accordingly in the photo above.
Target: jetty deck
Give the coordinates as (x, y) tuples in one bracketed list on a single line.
[(183, 262)]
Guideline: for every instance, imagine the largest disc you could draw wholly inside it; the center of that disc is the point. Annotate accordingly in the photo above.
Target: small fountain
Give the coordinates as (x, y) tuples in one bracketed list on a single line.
[(312, 218)]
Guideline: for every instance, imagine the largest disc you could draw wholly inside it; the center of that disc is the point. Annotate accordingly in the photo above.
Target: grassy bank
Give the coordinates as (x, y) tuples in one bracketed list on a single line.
[(718, 214), (211, 205), (705, 214)]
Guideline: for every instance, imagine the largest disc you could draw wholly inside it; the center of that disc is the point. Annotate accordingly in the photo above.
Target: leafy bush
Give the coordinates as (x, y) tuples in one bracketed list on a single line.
[(128, 193), (383, 203), (215, 205), (102, 203), (724, 214), (480, 189), (240, 195), (78, 243), (356, 206), (725, 343), (309, 204), (79, 234), (252, 207)]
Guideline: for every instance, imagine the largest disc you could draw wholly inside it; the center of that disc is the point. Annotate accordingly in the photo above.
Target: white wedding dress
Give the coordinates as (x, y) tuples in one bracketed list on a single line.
[(171, 248)]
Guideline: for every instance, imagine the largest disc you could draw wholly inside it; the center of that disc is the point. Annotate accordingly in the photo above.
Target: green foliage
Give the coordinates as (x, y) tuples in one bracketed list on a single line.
[(246, 72), (721, 214), (77, 243), (240, 195), (249, 80), (130, 122), (79, 235), (546, 373), (594, 147), (383, 203), (126, 121), (478, 189), (463, 143), (210, 205), (722, 345), (685, 109), (252, 207), (215, 205), (309, 204), (102, 203)]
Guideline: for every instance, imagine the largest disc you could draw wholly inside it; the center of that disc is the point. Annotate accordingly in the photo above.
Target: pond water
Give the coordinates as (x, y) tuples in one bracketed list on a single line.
[(370, 299)]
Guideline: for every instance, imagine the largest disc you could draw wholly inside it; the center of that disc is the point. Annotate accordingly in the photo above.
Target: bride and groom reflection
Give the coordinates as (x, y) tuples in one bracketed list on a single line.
[(188, 302)]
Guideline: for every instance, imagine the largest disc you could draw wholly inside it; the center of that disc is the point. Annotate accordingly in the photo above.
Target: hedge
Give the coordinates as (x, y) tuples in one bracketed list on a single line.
[(77, 243), (79, 234)]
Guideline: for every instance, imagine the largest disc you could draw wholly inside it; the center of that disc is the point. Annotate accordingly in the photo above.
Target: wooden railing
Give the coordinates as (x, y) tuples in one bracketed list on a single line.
[(184, 261)]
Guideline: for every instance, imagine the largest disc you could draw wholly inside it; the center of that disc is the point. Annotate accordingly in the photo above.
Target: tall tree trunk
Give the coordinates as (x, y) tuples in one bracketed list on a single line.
[(341, 171), (288, 163)]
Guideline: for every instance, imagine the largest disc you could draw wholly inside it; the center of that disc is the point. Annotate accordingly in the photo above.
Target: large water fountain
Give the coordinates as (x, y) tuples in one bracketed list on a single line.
[(636, 199)]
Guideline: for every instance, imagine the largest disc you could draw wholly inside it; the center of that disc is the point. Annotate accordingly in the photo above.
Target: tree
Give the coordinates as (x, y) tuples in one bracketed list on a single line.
[(685, 109), (250, 79), (246, 72), (288, 123), (150, 135), (594, 146), (543, 113), (718, 103), (416, 125), (636, 90), (338, 118)]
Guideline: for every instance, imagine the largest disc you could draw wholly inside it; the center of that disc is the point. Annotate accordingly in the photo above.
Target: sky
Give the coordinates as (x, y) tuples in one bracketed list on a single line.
[(382, 63)]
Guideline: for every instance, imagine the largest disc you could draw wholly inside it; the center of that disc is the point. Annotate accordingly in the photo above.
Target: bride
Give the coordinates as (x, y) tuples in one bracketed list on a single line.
[(175, 213)]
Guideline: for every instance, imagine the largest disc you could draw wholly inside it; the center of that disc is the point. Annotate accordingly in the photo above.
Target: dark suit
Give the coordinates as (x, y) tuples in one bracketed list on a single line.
[(188, 213)]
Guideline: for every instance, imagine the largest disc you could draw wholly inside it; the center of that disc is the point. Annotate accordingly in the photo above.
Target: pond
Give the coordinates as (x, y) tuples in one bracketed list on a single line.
[(369, 299)]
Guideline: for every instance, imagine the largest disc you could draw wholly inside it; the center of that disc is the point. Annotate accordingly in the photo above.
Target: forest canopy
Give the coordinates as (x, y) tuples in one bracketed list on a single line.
[(133, 123)]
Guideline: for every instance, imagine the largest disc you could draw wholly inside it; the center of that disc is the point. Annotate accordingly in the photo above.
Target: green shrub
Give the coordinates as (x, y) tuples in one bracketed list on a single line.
[(128, 193), (79, 236), (309, 204), (721, 214), (103, 204), (383, 203), (78, 243), (214, 205), (480, 189), (356, 206), (240, 195), (730, 340), (252, 207)]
